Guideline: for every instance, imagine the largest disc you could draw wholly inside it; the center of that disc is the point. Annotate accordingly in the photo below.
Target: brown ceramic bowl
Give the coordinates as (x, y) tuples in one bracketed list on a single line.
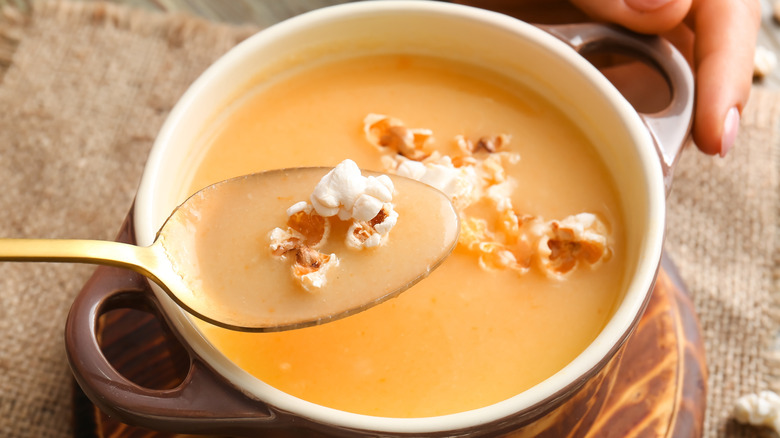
[(638, 150)]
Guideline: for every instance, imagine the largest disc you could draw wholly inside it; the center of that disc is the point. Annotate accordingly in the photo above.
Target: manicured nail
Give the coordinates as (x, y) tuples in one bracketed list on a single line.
[(730, 128), (646, 5)]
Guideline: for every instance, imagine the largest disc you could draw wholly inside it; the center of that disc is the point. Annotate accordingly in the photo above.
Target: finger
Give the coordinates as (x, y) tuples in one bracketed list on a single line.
[(726, 32), (644, 16)]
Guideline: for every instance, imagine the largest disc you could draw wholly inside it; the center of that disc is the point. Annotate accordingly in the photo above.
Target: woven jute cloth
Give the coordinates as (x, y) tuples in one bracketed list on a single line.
[(84, 89)]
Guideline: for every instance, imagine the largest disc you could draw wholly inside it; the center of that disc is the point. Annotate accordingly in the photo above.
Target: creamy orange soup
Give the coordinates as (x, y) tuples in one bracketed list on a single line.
[(465, 337)]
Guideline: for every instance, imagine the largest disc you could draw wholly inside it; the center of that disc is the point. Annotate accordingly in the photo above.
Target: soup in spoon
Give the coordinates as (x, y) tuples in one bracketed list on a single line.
[(225, 247)]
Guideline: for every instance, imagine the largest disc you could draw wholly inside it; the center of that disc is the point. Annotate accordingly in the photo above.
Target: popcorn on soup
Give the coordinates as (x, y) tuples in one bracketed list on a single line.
[(538, 269)]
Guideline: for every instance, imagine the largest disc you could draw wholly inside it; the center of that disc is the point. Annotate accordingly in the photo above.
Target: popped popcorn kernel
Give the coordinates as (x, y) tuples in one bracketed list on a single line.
[(460, 184), (284, 241), (391, 133), (463, 161), (344, 193), (480, 176), (312, 228), (473, 231), (504, 248), (492, 170), (494, 255), (368, 234), (762, 409), (776, 10), (764, 62), (577, 240), (311, 267), (489, 144), (464, 179), (306, 230), (509, 225)]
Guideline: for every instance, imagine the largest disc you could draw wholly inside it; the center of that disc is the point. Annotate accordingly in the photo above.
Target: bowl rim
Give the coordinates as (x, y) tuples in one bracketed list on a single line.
[(574, 374)]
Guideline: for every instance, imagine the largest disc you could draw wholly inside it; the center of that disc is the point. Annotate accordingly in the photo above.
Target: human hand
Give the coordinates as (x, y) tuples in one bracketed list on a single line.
[(717, 36)]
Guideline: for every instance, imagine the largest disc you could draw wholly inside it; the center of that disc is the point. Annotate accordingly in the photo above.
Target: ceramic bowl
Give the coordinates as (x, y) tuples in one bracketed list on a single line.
[(638, 149)]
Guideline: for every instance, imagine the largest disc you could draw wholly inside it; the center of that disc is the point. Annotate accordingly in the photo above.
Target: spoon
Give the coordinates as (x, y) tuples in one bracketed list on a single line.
[(212, 254)]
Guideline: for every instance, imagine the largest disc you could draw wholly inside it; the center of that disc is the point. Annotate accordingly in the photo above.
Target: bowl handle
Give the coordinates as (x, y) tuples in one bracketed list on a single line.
[(670, 127), (202, 403)]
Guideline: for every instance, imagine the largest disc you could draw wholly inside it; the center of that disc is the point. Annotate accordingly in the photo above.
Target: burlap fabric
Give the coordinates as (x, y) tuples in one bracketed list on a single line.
[(84, 89)]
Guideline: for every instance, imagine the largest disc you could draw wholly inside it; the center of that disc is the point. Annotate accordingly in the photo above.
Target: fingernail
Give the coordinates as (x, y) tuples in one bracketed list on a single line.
[(646, 5), (730, 129)]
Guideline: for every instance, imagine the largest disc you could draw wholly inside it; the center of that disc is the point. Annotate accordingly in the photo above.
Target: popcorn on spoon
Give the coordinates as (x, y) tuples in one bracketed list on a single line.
[(369, 202)]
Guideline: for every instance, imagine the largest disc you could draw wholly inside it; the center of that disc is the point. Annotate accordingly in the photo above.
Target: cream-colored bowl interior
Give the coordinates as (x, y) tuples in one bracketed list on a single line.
[(484, 38)]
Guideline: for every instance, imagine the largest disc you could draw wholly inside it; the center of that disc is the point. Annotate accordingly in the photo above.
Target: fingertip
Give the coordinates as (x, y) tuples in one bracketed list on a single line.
[(724, 71), (643, 16), (730, 129), (717, 137)]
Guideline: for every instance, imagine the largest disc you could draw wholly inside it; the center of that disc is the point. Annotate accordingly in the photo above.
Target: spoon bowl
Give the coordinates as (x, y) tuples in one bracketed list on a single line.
[(212, 255)]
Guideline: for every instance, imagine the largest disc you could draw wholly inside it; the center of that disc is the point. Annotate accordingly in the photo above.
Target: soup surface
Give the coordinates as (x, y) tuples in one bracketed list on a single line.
[(465, 337)]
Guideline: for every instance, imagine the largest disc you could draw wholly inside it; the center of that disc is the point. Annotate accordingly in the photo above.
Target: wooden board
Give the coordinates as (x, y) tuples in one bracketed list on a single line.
[(655, 386)]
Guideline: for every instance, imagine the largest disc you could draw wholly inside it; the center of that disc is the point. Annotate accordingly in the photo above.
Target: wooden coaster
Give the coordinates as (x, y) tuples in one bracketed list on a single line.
[(658, 389)]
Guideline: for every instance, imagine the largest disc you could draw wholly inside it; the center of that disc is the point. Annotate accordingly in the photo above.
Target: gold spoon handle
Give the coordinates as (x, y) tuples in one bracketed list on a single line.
[(144, 260)]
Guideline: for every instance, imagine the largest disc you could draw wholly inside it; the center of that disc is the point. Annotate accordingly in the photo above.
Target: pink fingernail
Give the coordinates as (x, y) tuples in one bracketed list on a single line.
[(646, 5), (730, 129)]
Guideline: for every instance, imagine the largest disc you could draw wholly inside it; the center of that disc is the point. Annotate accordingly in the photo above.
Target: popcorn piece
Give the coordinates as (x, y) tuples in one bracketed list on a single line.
[(473, 231), (391, 133), (348, 194), (492, 144), (311, 267), (460, 184), (492, 170), (514, 242), (762, 409), (492, 167), (495, 252), (764, 62), (312, 228), (345, 193), (480, 175), (509, 224), (494, 255), (489, 144), (464, 184), (298, 207), (565, 245), (306, 230), (517, 230), (368, 234), (284, 241), (776, 10)]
